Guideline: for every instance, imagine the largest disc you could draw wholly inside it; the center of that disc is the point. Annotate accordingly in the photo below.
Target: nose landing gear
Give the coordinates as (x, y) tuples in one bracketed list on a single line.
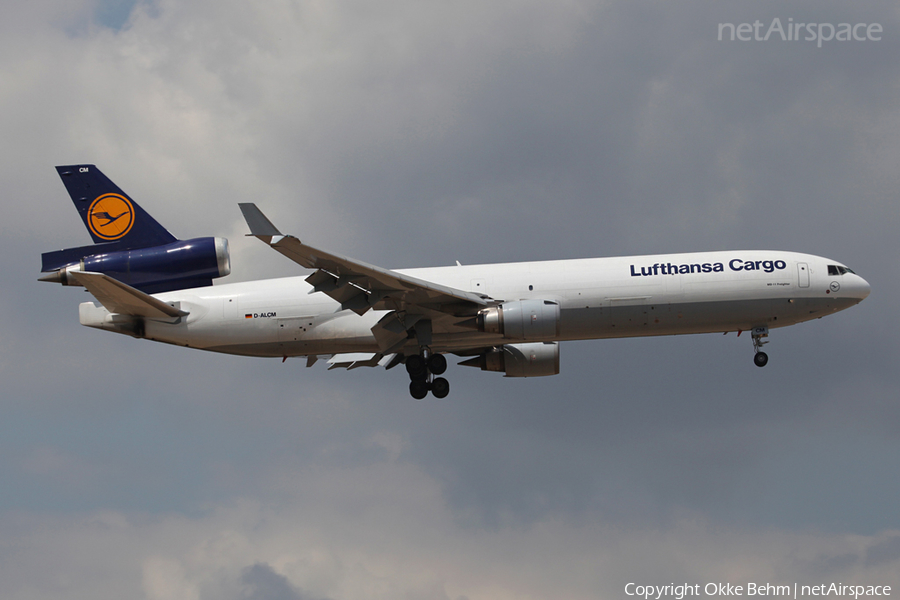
[(421, 369), (760, 359)]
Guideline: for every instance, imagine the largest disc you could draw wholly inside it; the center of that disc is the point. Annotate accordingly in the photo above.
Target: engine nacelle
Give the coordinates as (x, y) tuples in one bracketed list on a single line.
[(521, 320), (181, 264), (520, 360)]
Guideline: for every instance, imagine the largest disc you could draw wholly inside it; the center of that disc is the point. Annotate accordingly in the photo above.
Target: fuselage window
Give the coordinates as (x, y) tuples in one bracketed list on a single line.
[(836, 270)]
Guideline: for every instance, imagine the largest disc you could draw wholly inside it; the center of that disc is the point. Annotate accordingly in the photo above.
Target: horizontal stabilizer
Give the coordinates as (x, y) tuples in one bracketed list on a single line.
[(123, 299)]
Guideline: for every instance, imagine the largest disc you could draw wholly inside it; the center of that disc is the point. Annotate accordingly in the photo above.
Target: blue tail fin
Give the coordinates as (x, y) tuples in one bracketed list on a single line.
[(130, 245), (109, 214)]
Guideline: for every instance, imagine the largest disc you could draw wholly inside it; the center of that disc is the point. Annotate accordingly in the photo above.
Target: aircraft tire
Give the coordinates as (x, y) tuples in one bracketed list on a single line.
[(415, 366), (440, 387), (418, 389), (760, 359), (437, 364)]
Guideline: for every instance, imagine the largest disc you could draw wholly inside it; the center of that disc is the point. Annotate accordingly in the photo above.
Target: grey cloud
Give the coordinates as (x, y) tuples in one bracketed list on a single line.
[(886, 551), (260, 582), (418, 135), (114, 13), (824, 565)]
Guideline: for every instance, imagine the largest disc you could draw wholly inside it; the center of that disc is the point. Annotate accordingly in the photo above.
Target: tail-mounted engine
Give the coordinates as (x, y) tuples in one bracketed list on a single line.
[(520, 360), (130, 246), (522, 320), (178, 265)]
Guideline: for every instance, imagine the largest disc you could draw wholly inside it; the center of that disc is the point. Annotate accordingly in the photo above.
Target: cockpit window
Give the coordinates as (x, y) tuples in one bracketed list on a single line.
[(837, 270)]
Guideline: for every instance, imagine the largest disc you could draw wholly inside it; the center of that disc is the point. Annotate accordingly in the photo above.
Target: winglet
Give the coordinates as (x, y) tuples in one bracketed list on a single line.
[(123, 299), (259, 224)]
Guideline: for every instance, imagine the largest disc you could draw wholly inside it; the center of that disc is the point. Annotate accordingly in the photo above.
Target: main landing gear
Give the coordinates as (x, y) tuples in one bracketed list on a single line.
[(760, 359), (422, 368)]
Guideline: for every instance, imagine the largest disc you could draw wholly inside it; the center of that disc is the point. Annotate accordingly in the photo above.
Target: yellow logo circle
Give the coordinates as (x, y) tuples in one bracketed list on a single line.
[(110, 216)]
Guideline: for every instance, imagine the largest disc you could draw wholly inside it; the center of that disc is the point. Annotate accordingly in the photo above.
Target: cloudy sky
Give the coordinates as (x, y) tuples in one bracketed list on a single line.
[(416, 134)]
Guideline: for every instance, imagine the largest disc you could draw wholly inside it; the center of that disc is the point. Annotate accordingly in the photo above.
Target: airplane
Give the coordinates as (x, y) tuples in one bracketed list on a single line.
[(507, 318)]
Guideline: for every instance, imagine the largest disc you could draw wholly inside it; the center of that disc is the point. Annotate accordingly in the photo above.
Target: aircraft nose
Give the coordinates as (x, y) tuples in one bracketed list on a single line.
[(861, 289)]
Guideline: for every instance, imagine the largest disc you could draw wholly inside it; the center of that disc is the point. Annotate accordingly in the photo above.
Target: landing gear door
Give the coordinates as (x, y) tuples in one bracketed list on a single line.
[(803, 274)]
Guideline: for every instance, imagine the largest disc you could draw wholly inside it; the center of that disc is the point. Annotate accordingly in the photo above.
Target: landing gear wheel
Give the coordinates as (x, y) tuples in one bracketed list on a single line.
[(421, 369), (437, 364), (760, 359), (440, 387), (758, 334), (415, 366), (418, 389)]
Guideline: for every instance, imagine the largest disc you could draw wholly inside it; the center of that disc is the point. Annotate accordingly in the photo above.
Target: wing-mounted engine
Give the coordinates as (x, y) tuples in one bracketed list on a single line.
[(178, 265), (520, 360), (521, 320)]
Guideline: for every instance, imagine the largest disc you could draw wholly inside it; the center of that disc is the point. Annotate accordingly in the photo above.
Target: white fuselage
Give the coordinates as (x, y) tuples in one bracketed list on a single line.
[(598, 298)]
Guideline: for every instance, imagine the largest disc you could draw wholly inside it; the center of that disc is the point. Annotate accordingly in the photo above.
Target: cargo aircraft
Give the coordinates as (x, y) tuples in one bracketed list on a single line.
[(508, 318)]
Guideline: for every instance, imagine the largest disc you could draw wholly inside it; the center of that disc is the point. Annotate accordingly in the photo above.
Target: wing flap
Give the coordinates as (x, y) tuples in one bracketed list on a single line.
[(354, 360)]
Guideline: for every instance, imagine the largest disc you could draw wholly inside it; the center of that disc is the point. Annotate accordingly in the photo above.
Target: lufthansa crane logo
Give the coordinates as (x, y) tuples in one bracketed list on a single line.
[(110, 216)]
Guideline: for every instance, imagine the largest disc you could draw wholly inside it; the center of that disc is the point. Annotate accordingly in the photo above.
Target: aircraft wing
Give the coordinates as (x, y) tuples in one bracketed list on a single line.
[(123, 299), (359, 286)]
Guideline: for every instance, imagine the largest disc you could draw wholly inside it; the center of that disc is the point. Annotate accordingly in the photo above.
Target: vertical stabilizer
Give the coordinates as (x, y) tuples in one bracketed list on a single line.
[(108, 213)]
